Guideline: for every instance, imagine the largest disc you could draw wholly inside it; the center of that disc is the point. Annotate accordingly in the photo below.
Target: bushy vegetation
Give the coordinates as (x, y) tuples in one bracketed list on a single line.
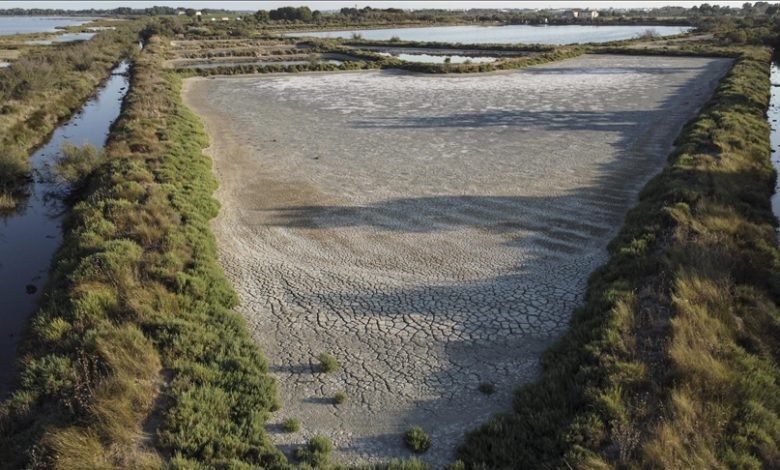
[(316, 452), (340, 397), (291, 425), (45, 86), (672, 362), (136, 328), (488, 388), (77, 164), (417, 440), (327, 363)]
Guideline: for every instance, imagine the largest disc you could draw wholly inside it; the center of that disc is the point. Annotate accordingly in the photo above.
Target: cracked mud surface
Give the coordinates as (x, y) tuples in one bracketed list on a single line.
[(430, 232)]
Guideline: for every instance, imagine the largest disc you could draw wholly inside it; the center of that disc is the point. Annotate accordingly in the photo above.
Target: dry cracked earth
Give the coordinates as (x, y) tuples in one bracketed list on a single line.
[(430, 232)]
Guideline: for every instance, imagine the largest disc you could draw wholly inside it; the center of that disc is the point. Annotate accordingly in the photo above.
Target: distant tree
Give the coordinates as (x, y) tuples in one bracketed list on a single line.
[(262, 16), (292, 14)]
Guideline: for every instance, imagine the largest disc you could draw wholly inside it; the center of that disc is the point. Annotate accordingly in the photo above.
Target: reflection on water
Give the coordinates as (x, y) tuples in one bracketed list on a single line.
[(29, 237)]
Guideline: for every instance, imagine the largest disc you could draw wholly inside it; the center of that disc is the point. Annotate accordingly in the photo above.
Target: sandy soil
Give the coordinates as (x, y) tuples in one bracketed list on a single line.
[(431, 232)]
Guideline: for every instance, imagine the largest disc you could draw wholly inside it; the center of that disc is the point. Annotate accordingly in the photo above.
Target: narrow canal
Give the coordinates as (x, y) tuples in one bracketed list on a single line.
[(773, 115), (30, 236)]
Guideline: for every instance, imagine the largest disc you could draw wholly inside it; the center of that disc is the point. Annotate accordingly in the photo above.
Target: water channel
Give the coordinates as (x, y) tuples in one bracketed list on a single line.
[(31, 235)]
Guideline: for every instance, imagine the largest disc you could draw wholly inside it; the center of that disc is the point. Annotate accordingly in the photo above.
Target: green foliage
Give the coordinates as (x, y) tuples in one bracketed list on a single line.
[(291, 425), (77, 163), (671, 363), (488, 388), (316, 452), (136, 299), (327, 363), (417, 440), (340, 397)]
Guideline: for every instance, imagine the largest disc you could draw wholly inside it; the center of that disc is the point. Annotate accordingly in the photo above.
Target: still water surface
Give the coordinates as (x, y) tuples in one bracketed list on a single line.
[(512, 34), (36, 24), (29, 237)]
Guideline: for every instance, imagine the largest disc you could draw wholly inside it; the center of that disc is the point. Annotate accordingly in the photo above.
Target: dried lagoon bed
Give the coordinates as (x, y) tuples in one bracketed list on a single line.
[(431, 232)]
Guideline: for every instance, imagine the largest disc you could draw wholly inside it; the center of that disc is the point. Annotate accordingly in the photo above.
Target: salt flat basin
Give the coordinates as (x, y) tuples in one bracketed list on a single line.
[(430, 232)]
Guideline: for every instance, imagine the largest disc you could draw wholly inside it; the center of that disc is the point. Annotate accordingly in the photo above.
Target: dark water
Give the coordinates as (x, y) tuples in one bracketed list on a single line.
[(570, 34), (773, 116), (35, 24), (29, 238)]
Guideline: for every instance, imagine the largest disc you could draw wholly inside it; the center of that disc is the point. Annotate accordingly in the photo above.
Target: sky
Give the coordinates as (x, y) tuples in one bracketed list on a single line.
[(334, 5)]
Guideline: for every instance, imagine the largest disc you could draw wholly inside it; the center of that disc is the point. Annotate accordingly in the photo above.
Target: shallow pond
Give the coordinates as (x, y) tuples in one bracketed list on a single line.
[(36, 24), (512, 34), (440, 59), (67, 37), (29, 237)]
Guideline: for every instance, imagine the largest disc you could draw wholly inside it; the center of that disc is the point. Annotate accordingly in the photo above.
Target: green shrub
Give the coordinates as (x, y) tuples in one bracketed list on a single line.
[(417, 440), (316, 452), (77, 163), (488, 388), (327, 363), (340, 397), (291, 425)]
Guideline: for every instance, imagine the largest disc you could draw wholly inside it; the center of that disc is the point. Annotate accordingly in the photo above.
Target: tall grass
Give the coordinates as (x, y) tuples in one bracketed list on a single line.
[(672, 362)]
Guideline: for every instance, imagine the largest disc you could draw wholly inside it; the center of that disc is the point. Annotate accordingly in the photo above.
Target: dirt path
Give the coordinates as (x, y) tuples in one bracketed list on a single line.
[(430, 232)]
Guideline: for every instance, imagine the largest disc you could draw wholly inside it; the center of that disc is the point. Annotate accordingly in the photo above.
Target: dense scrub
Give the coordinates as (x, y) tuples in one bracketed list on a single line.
[(137, 315), (44, 86), (672, 362)]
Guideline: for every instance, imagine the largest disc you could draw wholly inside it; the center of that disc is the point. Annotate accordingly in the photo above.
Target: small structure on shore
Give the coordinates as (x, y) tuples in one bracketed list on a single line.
[(584, 14)]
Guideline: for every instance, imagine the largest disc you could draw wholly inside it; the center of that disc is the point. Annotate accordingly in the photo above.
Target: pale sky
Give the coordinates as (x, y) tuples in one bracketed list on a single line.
[(334, 5)]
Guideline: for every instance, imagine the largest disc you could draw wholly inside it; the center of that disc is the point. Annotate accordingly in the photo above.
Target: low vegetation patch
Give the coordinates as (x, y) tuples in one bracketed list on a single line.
[(340, 397), (488, 388), (673, 360), (327, 363), (316, 452), (417, 440), (291, 425), (77, 164)]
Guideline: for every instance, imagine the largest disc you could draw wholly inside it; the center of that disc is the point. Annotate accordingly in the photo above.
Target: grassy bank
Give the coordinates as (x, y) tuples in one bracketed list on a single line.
[(135, 358), (672, 362), (371, 60), (43, 87)]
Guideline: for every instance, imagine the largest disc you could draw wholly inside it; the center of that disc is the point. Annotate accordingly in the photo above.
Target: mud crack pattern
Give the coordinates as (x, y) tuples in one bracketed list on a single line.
[(430, 232)]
